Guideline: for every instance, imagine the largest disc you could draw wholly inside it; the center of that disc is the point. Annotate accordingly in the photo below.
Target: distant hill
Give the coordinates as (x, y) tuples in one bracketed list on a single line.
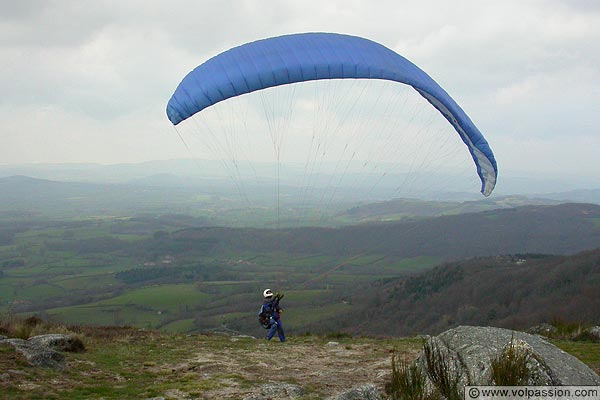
[(218, 200), (405, 208), (561, 229), (55, 199), (579, 196), (507, 291), (198, 173)]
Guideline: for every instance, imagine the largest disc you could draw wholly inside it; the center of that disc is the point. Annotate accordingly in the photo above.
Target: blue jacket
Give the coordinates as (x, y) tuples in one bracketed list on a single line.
[(271, 308)]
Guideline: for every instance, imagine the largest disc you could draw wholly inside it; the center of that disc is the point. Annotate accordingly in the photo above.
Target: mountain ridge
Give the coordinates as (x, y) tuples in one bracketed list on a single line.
[(561, 229)]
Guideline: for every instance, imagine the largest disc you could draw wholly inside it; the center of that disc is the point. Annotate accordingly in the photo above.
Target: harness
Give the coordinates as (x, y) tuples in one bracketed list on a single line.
[(267, 310)]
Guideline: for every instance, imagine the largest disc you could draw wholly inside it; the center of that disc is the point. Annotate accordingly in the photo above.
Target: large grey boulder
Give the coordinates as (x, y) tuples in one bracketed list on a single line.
[(471, 349), (38, 355), (44, 350), (365, 392), (58, 342)]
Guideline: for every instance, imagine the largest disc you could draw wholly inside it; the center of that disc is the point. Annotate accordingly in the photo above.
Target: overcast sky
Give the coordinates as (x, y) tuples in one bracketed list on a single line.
[(88, 81)]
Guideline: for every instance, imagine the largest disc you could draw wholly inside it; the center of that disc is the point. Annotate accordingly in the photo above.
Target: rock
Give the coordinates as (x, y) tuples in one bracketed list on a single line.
[(58, 342), (365, 392), (38, 355), (542, 329), (594, 332), (2, 337), (470, 350), (331, 344), (277, 391), (15, 342), (43, 350)]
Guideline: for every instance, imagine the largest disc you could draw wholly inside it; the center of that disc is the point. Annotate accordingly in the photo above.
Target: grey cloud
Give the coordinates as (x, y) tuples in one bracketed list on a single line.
[(518, 68)]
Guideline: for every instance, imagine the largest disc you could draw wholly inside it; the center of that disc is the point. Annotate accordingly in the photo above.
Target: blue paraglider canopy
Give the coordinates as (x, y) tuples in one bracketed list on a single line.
[(314, 56)]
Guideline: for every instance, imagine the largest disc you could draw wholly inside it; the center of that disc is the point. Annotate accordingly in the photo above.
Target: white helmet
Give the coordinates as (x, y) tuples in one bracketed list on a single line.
[(267, 294)]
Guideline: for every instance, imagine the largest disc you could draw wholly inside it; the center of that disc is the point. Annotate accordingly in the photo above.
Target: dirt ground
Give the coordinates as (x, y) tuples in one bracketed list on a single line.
[(299, 368), (323, 367)]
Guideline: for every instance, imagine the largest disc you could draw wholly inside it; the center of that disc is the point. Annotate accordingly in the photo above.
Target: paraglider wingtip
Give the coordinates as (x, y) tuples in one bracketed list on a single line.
[(487, 189)]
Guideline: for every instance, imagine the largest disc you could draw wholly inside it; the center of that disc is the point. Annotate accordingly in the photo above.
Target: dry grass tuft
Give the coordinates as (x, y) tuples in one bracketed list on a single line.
[(444, 371), (408, 383)]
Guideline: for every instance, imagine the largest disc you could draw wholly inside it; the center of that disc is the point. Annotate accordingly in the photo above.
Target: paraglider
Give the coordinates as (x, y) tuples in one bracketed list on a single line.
[(306, 57), (350, 143)]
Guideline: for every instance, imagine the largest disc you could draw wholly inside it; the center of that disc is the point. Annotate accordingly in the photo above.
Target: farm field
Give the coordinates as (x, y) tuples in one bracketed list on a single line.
[(107, 271)]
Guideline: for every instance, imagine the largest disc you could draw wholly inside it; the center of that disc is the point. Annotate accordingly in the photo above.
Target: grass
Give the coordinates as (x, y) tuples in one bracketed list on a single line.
[(42, 290), (145, 307), (162, 297), (587, 351), (408, 382), (299, 317), (415, 264), (443, 370), (570, 330), (182, 325), (131, 315), (511, 366), (88, 281)]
